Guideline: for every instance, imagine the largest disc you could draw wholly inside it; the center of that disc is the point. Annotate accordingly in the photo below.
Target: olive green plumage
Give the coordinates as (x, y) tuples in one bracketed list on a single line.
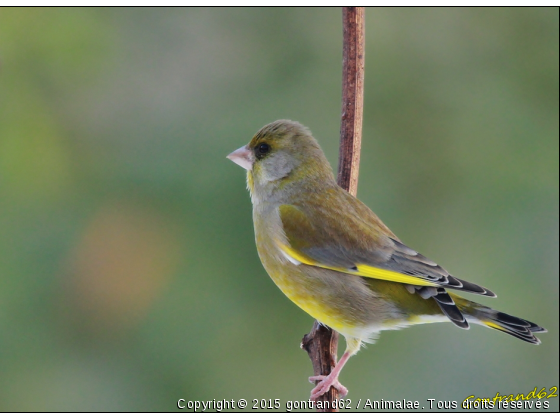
[(333, 257)]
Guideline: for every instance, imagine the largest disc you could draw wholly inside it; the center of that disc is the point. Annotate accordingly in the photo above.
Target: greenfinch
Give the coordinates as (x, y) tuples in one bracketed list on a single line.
[(335, 259)]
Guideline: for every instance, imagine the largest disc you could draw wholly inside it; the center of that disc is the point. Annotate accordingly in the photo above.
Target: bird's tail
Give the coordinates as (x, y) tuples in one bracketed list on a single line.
[(517, 327)]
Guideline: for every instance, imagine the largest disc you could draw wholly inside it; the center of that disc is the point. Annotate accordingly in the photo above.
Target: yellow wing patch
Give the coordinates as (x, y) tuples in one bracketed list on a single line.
[(361, 270), (382, 274), (298, 256)]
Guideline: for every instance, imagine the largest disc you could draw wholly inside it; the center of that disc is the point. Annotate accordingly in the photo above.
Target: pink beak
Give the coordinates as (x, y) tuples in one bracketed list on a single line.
[(243, 157)]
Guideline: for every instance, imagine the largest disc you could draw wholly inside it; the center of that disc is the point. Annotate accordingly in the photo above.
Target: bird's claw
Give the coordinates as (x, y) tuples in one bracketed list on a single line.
[(324, 385)]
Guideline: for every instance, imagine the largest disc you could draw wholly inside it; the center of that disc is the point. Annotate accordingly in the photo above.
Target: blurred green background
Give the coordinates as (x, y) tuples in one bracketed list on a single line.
[(129, 276)]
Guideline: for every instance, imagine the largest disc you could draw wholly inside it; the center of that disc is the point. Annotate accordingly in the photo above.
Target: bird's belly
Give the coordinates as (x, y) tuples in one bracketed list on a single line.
[(341, 301), (319, 308)]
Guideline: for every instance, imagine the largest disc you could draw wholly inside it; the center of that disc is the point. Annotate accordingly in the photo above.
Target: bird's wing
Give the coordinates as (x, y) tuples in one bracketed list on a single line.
[(348, 237)]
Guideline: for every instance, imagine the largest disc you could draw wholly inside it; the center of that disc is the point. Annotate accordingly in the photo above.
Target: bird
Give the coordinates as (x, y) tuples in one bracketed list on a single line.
[(335, 259)]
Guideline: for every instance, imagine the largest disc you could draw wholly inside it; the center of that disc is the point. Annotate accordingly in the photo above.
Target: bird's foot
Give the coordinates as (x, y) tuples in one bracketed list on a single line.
[(325, 384)]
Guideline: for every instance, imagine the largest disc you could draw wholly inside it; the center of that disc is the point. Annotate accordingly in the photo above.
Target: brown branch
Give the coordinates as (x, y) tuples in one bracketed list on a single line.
[(322, 342), (352, 98)]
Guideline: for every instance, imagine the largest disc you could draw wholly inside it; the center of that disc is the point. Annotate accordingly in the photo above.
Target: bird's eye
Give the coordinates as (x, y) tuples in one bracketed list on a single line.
[(262, 150)]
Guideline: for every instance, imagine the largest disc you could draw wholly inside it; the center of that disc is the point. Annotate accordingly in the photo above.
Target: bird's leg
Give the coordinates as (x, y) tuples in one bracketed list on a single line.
[(330, 380)]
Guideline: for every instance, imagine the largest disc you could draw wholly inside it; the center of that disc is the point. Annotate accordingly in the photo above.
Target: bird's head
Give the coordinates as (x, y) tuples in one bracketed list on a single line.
[(282, 152)]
